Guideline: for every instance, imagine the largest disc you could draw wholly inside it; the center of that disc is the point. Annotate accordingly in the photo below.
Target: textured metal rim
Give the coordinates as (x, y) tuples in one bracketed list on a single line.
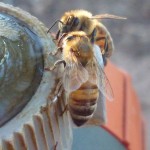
[(34, 129)]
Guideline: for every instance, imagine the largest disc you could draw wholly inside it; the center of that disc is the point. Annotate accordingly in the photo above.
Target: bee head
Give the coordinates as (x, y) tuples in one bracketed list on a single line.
[(70, 23)]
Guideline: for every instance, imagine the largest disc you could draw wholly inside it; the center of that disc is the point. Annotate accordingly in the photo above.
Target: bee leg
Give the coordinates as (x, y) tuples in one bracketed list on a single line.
[(58, 62), (54, 25), (57, 92), (104, 60), (93, 35), (60, 91), (61, 37), (65, 109), (59, 49), (106, 49), (57, 35), (58, 87), (55, 146)]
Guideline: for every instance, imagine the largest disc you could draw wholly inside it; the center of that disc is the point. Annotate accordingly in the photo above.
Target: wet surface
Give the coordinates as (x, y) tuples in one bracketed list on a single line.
[(21, 65)]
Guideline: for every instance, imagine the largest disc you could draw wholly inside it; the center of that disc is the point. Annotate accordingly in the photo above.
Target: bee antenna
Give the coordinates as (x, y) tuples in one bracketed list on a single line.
[(54, 25)]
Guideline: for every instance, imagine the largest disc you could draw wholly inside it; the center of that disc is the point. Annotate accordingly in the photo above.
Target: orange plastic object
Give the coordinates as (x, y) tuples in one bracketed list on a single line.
[(124, 113)]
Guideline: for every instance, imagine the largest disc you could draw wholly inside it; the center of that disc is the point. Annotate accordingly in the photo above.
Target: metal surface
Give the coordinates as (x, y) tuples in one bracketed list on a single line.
[(39, 125)]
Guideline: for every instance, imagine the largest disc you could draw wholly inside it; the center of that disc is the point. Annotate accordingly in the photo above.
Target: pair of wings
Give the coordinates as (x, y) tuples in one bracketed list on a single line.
[(75, 75)]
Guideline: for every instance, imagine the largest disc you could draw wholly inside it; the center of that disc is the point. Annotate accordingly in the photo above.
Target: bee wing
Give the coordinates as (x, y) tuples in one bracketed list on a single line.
[(97, 75), (107, 16), (100, 114), (104, 84), (74, 75), (91, 68), (98, 55)]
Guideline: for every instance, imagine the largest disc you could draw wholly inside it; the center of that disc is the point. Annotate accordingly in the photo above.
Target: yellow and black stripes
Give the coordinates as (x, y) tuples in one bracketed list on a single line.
[(82, 103)]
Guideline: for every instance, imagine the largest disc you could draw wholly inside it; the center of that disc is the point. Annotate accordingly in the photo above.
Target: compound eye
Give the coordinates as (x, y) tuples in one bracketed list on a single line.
[(69, 38), (76, 21)]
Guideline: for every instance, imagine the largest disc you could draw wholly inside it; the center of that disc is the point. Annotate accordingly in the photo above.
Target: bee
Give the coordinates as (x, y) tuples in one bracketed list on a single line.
[(83, 78), (82, 20)]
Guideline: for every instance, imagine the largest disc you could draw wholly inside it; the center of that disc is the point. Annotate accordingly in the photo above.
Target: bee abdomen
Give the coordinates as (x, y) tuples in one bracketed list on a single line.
[(82, 113), (82, 104), (83, 109), (80, 120)]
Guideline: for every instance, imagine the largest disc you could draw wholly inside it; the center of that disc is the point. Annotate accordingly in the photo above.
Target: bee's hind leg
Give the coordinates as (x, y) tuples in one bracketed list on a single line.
[(65, 109), (59, 90), (55, 146)]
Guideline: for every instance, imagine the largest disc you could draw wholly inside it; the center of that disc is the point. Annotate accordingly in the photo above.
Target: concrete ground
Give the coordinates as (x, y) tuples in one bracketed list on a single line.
[(131, 36)]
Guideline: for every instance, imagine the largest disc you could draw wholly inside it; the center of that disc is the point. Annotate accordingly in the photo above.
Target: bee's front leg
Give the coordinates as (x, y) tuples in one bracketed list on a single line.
[(55, 147), (65, 109), (57, 35), (58, 62), (54, 53)]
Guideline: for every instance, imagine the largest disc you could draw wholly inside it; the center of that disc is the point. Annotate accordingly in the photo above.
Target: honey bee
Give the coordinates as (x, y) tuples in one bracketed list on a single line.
[(82, 20), (83, 79)]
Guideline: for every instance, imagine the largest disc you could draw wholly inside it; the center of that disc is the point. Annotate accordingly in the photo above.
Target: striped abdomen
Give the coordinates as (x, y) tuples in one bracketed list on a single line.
[(83, 102), (104, 40)]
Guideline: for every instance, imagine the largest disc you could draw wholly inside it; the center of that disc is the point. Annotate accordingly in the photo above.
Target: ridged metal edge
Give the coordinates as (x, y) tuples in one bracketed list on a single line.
[(46, 131)]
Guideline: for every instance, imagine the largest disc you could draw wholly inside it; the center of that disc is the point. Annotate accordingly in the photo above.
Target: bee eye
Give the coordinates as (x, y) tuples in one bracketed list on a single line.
[(69, 38), (76, 21)]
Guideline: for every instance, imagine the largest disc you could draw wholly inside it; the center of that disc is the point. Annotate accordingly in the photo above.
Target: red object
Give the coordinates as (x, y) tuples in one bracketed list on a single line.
[(124, 112)]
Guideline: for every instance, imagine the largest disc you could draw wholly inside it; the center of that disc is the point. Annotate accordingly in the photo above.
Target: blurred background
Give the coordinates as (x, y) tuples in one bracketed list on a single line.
[(131, 37)]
